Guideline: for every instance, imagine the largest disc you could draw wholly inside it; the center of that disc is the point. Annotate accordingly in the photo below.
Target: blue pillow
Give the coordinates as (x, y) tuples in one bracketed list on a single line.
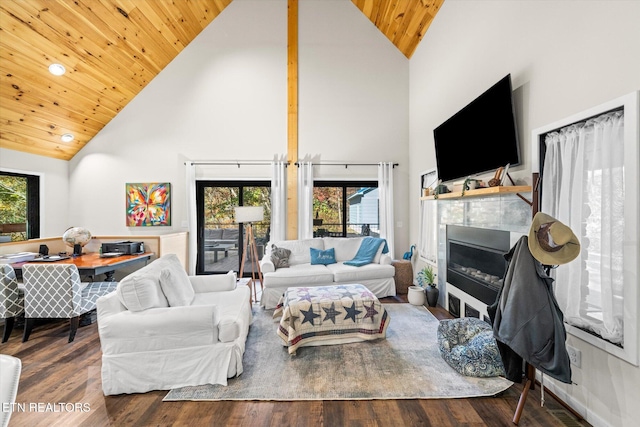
[(328, 256)]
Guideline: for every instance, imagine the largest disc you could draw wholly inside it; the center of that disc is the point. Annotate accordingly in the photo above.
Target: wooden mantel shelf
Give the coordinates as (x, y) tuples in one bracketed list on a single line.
[(489, 191)]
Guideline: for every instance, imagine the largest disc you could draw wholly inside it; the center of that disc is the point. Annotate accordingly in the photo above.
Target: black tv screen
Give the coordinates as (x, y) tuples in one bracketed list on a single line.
[(479, 138)]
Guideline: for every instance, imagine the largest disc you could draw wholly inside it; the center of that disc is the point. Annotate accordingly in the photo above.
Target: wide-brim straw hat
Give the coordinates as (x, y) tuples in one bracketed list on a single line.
[(551, 242)]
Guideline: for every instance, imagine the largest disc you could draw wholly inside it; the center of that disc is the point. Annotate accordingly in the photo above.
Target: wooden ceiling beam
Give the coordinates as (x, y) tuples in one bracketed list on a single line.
[(292, 119)]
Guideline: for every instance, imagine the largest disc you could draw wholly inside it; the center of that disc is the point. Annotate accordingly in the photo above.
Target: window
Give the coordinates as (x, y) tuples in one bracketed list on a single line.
[(428, 240), (589, 175), (345, 209), (19, 206)]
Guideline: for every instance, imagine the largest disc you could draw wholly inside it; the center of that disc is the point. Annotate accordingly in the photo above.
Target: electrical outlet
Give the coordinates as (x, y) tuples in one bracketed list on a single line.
[(575, 356)]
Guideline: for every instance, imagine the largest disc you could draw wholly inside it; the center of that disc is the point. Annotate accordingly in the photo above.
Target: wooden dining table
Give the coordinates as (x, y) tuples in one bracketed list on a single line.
[(93, 264)]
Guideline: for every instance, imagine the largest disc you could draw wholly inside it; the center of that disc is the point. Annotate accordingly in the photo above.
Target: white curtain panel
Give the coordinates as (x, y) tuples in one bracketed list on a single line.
[(305, 200), (192, 216), (278, 200), (428, 240), (583, 187), (385, 190)]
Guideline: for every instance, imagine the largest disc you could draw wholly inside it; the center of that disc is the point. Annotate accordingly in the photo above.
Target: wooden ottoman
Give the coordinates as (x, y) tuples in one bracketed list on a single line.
[(404, 275), (326, 315)]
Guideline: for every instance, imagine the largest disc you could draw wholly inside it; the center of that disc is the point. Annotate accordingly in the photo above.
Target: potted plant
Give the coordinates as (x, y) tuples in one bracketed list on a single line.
[(427, 280)]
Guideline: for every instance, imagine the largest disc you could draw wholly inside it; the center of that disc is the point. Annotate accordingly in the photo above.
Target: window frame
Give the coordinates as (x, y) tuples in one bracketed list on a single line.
[(346, 184), (200, 218), (630, 103), (33, 213)]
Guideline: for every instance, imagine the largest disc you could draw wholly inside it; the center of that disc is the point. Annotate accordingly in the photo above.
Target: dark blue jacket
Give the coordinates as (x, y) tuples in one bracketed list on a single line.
[(527, 320)]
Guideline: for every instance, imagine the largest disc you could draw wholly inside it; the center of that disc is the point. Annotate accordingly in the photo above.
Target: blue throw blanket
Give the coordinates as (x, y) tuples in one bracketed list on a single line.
[(367, 251)]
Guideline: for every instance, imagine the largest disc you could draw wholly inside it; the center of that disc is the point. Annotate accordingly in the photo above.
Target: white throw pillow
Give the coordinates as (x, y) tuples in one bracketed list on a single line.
[(176, 287), (140, 292), (376, 259)]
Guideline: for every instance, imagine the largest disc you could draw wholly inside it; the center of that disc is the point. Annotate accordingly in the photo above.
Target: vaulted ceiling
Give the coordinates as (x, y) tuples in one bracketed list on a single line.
[(111, 50)]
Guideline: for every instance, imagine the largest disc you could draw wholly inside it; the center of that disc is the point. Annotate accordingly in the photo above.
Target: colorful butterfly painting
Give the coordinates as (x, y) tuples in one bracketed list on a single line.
[(148, 204)]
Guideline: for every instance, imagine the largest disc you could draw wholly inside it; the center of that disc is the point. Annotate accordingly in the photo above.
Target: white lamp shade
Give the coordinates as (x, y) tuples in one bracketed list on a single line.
[(249, 213)]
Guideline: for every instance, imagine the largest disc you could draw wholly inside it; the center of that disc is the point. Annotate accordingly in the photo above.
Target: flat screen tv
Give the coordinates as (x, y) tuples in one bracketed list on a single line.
[(479, 138)]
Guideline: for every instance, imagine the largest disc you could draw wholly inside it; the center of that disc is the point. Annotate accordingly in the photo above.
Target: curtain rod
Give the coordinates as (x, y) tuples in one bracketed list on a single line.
[(233, 162), (346, 165)]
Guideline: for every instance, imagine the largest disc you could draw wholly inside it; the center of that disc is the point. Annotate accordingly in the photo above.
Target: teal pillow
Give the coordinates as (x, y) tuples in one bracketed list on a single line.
[(328, 256)]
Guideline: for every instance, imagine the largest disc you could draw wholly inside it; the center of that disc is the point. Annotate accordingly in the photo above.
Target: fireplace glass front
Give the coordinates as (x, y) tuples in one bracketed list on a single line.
[(475, 260)]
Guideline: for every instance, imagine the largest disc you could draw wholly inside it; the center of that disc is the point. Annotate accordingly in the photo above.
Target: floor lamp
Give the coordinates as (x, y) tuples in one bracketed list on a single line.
[(248, 215)]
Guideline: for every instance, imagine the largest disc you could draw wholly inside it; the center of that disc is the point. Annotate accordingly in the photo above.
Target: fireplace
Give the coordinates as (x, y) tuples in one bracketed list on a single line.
[(475, 260)]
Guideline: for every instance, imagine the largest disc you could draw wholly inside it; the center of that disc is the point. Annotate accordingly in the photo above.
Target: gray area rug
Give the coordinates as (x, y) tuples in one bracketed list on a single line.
[(406, 365)]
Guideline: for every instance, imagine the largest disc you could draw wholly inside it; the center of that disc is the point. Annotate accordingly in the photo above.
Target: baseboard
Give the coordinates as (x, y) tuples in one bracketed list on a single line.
[(568, 400)]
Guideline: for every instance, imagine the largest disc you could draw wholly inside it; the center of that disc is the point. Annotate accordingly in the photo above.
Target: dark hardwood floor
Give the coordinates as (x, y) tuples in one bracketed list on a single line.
[(60, 385)]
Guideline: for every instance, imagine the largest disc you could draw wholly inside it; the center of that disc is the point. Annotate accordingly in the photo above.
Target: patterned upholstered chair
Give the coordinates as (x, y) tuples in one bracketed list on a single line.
[(11, 299), (468, 346), (55, 291)]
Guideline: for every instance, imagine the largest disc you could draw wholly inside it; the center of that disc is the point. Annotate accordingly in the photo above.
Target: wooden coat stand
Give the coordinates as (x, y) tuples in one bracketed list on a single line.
[(250, 246), (530, 371)]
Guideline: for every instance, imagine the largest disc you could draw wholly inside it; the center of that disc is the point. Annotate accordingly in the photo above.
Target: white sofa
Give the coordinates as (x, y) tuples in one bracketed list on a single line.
[(163, 329), (378, 276)]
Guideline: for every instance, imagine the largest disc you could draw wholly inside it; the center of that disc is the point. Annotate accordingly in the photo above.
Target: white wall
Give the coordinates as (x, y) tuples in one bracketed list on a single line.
[(222, 98), (354, 99), (564, 57), (54, 188)]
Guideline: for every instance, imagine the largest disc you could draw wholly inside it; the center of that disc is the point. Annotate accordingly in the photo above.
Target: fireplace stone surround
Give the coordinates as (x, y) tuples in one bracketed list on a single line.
[(489, 227)]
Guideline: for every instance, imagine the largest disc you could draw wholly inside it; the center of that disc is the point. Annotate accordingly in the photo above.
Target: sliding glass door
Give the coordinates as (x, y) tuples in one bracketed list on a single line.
[(221, 241)]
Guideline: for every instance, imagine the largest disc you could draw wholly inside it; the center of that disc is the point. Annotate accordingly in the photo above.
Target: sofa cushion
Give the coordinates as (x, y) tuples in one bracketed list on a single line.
[(345, 247), (324, 257), (348, 273), (140, 292), (176, 286), (280, 257), (299, 275)]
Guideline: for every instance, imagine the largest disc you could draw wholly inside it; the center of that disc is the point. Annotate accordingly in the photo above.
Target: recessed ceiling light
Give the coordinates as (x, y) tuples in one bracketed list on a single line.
[(67, 137), (57, 69)]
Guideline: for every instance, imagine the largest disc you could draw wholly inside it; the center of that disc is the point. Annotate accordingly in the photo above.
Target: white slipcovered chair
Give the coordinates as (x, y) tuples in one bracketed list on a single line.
[(11, 299), (10, 369), (163, 329), (55, 291)]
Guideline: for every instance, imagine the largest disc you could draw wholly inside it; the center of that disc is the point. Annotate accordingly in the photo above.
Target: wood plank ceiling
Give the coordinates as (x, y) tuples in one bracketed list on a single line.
[(111, 50)]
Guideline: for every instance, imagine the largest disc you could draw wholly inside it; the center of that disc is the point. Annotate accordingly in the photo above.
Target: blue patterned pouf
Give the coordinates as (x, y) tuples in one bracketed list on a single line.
[(468, 346)]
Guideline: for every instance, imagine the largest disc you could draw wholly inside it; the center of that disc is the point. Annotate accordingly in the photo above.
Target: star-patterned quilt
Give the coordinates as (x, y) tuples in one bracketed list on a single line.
[(330, 315)]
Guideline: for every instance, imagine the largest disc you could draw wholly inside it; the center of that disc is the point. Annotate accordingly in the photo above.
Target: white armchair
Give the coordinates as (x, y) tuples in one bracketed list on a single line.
[(163, 329), (10, 369)]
